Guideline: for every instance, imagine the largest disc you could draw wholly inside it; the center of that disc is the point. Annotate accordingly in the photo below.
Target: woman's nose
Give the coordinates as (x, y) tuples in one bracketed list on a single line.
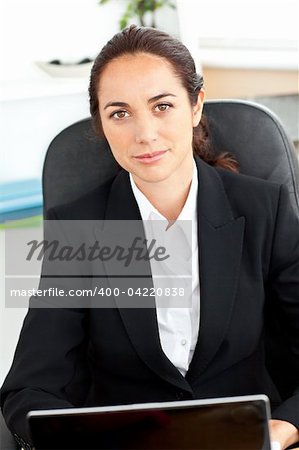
[(146, 130)]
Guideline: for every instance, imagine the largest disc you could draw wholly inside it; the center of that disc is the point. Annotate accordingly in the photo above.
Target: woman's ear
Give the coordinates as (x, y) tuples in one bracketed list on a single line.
[(197, 109)]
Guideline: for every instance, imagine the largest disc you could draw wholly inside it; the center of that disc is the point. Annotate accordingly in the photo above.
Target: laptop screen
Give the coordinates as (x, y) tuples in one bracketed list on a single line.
[(239, 423)]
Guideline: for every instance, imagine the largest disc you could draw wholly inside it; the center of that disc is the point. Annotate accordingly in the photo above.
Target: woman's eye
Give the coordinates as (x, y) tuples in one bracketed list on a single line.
[(162, 107), (119, 114)]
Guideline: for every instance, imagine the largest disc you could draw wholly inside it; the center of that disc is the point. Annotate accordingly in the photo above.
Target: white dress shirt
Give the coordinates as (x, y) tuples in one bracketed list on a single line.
[(178, 326)]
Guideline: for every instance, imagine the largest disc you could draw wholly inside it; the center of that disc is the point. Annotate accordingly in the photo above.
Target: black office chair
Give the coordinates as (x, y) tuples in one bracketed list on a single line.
[(77, 161)]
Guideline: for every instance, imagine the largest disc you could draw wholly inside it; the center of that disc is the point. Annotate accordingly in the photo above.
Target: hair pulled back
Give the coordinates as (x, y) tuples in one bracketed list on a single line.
[(135, 39)]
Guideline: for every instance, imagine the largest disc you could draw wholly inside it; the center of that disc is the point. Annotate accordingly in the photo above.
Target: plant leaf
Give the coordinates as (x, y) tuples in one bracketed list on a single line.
[(139, 8), (123, 22)]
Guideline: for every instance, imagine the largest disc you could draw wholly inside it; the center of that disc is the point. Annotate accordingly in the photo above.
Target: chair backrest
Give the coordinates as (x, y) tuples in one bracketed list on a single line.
[(77, 161)]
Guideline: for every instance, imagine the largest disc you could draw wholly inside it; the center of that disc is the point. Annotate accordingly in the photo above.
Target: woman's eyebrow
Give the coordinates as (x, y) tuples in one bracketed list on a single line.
[(121, 104), (158, 97), (151, 100)]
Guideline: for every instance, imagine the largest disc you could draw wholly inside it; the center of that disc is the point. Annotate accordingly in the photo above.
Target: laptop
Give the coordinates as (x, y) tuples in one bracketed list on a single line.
[(233, 423)]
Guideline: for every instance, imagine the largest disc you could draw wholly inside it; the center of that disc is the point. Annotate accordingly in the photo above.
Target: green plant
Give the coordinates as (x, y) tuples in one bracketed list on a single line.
[(139, 8)]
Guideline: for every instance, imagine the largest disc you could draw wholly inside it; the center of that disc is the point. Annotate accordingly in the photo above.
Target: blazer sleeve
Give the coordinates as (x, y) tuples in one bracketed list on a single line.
[(284, 281), (48, 364)]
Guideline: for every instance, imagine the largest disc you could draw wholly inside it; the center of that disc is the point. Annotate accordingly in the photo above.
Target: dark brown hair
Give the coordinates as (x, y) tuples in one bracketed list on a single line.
[(135, 39)]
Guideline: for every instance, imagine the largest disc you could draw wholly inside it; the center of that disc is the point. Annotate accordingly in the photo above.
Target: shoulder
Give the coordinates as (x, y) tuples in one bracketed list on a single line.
[(91, 206), (248, 193), (247, 182)]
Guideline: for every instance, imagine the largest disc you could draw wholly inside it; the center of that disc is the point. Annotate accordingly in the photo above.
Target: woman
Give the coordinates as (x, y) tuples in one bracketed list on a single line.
[(147, 100)]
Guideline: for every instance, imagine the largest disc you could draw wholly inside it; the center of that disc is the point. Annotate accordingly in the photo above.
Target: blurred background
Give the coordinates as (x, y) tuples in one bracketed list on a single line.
[(245, 49)]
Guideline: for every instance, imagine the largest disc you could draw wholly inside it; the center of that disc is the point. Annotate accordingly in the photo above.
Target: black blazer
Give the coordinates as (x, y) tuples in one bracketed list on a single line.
[(249, 257)]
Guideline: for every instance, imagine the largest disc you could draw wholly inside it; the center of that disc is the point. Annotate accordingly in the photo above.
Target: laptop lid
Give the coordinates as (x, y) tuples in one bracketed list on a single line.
[(234, 423)]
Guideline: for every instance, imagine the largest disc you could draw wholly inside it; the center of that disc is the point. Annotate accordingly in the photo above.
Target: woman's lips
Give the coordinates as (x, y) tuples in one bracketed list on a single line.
[(148, 158)]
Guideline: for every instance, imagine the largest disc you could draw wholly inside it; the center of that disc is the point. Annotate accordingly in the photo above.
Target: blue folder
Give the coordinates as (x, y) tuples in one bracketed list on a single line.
[(19, 199)]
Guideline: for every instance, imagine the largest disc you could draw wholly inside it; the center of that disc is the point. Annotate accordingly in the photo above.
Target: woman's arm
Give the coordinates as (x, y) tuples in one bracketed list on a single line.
[(46, 363), (51, 353)]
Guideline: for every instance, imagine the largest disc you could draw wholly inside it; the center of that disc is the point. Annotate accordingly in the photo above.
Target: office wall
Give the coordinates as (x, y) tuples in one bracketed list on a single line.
[(241, 83), (34, 30), (33, 106), (28, 125), (244, 48)]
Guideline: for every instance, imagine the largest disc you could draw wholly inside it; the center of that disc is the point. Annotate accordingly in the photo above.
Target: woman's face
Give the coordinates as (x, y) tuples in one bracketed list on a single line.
[(147, 117)]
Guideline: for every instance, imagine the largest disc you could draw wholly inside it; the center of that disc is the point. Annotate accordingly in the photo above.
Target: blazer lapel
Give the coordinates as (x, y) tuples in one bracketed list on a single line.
[(220, 238), (140, 322)]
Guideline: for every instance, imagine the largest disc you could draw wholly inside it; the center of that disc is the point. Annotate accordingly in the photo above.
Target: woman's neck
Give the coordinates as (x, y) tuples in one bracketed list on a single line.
[(168, 196)]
